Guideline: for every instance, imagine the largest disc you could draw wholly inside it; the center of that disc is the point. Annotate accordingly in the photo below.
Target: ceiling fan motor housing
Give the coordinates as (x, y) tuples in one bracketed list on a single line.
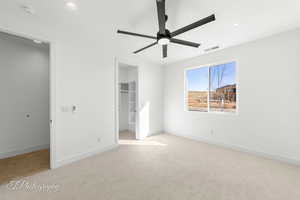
[(166, 35)]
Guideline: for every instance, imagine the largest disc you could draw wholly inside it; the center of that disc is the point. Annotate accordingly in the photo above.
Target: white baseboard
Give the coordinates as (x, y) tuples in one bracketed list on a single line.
[(242, 149), (23, 151), (81, 156)]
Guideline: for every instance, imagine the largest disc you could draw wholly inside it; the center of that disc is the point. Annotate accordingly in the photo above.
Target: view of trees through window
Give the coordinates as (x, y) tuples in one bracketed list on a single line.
[(212, 88)]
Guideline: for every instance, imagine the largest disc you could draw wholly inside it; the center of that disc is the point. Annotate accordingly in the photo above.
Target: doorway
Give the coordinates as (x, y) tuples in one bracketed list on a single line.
[(24, 127), (127, 102)]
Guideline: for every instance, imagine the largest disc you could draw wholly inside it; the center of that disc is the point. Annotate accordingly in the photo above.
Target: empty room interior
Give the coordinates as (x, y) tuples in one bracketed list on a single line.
[(24, 130), (150, 100)]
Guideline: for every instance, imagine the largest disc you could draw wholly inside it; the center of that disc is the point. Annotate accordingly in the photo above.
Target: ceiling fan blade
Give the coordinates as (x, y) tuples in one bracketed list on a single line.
[(165, 51), (194, 25), (183, 42), (161, 11), (137, 34), (145, 47)]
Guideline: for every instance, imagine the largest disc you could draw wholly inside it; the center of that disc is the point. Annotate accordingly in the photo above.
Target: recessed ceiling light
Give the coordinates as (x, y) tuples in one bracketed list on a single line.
[(236, 24), (71, 5), (28, 9), (37, 41)]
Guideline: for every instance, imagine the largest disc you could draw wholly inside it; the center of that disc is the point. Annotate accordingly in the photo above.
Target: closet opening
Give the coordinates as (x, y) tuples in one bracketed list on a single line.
[(128, 102)]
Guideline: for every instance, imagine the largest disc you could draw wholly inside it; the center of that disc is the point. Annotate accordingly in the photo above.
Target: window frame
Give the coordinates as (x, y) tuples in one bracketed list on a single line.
[(211, 65)]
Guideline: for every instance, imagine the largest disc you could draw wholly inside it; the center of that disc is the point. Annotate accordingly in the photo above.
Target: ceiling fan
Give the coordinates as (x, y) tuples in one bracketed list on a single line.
[(164, 36)]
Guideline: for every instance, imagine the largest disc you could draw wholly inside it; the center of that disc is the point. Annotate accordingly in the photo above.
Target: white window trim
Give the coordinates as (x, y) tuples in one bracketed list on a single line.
[(210, 65)]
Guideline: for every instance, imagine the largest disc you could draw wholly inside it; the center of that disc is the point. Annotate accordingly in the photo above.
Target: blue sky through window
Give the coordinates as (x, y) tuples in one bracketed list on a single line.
[(197, 79)]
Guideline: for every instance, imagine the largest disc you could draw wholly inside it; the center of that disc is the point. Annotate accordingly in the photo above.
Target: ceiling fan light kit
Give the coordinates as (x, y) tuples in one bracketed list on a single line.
[(164, 41), (164, 36)]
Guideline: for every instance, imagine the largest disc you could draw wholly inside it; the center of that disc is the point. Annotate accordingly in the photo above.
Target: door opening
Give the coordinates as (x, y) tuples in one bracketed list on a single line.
[(25, 130), (127, 92)]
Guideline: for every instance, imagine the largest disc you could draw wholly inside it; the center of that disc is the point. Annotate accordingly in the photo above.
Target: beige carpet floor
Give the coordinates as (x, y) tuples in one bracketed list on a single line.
[(166, 167)]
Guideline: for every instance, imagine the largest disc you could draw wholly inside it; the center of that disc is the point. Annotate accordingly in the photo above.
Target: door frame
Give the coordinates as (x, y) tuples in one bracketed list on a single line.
[(116, 107), (52, 88)]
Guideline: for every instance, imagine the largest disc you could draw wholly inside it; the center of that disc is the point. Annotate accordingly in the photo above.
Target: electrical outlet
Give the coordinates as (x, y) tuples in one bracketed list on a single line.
[(212, 132), (98, 139)]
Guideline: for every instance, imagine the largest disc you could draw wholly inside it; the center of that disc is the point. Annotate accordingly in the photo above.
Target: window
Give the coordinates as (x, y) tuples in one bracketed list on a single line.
[(212, 88)]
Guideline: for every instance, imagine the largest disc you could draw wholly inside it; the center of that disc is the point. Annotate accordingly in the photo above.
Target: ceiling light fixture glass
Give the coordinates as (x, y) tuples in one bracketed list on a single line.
[(163, 41)]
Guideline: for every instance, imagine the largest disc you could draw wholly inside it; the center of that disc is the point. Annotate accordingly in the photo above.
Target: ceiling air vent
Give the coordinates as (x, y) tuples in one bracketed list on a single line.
[(28, 9), (212, 48)]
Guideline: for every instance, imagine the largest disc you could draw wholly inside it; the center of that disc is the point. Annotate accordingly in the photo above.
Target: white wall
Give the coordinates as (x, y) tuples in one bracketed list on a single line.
[(123, 74), (151, 99), (24, 83), (85, 46), (269, 108), (83, 76)]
